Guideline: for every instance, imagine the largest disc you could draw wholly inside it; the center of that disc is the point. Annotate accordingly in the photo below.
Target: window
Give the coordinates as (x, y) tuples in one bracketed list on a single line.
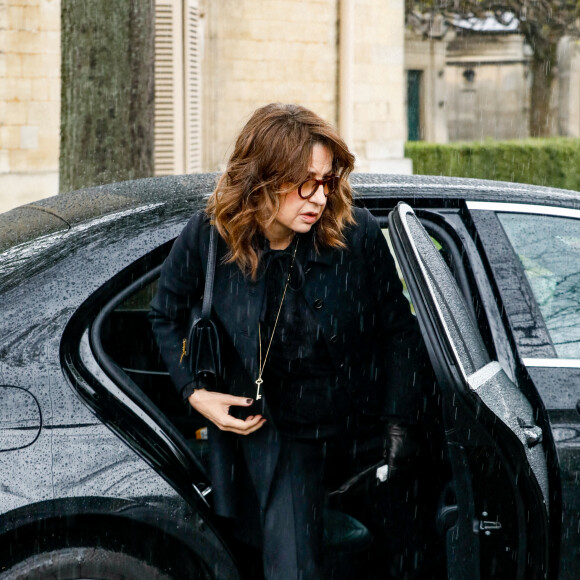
[(400, 274), (450, 252), (549, 250)]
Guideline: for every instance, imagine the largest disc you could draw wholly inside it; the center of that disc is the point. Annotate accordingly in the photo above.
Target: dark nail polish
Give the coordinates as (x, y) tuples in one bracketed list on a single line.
[(249, 401)]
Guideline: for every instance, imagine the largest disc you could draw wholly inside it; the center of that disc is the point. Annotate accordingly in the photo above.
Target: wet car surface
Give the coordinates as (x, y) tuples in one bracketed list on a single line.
[(100, 462)]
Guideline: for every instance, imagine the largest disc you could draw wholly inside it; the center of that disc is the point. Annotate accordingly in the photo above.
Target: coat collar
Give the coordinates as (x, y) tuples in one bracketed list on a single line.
[(323, 256)]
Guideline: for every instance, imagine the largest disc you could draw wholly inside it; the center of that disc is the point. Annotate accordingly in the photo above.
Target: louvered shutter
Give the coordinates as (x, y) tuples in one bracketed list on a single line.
[(169, 121), (177, 87), (192, 86)]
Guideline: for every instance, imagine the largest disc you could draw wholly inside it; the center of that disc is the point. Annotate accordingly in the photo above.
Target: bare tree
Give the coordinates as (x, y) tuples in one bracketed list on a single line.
[(542, 22), (107, 95)]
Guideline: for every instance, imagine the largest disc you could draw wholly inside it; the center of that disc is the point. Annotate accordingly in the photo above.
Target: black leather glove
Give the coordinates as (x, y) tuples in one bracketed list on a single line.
[(402, 445)]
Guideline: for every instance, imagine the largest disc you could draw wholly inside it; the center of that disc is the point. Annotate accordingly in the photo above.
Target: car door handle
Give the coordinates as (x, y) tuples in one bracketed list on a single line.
[(533, 433)]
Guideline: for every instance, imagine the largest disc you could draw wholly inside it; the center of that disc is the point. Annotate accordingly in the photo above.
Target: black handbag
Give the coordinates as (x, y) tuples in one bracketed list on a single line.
[(203, 352)]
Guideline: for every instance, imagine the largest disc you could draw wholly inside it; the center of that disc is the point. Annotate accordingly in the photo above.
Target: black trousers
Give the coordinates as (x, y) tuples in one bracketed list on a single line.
[(291, 490), (290, 503)]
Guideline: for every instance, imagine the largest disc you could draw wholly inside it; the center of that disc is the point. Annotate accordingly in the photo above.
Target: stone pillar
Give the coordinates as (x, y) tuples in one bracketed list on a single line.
[(257, 52), (379, 87), (569, 87)]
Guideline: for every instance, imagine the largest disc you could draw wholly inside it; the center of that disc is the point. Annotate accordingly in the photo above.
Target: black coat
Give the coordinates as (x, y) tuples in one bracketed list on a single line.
[(356, 299)]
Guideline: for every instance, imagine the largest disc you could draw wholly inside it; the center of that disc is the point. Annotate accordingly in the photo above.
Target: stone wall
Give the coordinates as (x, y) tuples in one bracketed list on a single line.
[(260, 52), (29, 100), (568, 87), (252, 52), (488, 87)]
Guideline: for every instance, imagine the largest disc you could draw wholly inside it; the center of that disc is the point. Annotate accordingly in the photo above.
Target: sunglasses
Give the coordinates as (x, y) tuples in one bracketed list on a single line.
[(309, 187)]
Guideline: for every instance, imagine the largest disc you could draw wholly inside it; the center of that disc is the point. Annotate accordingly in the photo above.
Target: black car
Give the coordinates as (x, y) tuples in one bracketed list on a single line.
[(103, 469)]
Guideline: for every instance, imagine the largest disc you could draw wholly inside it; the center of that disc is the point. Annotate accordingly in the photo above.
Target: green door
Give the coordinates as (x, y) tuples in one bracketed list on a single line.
[(414, 104)]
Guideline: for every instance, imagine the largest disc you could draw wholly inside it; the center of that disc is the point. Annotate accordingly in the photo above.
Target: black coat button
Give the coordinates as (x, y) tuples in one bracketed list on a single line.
[(333, 339), (318, 303)]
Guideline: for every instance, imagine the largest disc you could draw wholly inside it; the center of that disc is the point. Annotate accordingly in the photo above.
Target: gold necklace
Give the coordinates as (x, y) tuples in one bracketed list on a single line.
[(261, 365)]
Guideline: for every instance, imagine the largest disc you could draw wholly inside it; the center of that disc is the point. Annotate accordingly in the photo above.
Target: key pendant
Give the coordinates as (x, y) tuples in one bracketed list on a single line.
[(259, 382)]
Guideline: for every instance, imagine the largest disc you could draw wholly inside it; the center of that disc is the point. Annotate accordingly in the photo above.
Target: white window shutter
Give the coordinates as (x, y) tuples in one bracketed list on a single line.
[(192, 74), (169, 88)]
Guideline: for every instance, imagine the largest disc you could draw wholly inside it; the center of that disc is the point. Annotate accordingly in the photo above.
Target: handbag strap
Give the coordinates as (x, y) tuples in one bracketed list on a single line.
[(209, 275)]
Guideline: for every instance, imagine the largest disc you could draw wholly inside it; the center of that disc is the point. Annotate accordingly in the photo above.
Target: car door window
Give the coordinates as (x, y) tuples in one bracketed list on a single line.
[(548, 248), (450, 253), (126, 336)]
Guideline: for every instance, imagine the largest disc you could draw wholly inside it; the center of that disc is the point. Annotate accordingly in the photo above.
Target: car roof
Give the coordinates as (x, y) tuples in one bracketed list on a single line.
[(64, 211), (457, 188)]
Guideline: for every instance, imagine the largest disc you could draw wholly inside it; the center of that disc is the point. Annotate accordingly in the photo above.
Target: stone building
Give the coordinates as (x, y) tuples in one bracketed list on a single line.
[(467, 80), (471, 80), (216, 61)]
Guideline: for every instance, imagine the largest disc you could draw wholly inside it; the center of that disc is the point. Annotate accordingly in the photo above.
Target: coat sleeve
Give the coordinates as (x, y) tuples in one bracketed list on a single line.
[(180, 286), (400, 346)]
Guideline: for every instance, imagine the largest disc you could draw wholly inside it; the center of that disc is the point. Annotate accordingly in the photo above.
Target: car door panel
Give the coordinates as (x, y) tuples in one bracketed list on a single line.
[(499, 468), (554, 377)]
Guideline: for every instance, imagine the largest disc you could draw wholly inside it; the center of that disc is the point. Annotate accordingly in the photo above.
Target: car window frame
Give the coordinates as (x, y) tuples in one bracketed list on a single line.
[(81, 339)]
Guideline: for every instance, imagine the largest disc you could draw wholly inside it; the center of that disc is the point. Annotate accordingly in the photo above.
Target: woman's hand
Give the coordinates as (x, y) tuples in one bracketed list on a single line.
[(216, 406)]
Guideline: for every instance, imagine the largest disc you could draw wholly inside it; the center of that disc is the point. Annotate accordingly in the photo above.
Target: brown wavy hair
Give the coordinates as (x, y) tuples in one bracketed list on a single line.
[(270, 159)]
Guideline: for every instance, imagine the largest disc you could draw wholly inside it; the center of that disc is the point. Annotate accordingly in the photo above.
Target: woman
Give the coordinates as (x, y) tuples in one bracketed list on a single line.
[(312, 317)]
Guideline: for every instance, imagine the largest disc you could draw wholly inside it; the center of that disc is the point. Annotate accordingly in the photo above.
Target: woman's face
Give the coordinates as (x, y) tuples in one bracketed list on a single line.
[(297, 214)]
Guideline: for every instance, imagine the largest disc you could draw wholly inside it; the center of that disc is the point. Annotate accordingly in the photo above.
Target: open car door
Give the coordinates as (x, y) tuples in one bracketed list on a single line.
[(494, 511)]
